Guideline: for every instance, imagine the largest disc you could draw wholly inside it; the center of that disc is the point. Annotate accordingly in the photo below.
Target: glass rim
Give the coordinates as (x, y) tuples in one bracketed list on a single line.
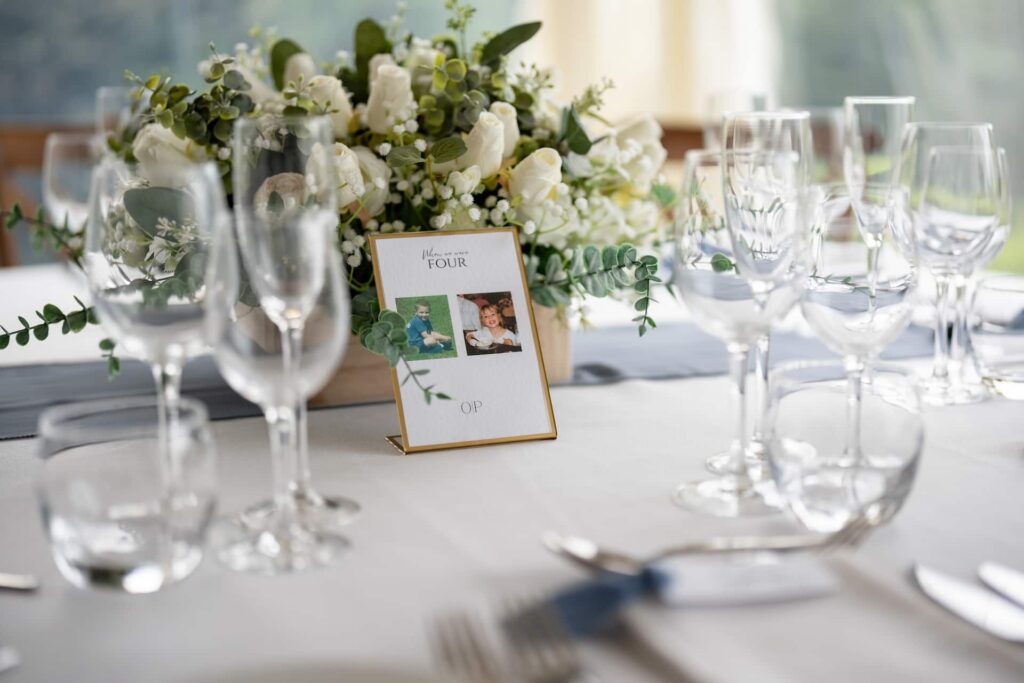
[(74, 136), (764, 114), (888, 367), (998, 283), (203, 165), (949, 124), (57, 422), (254, 121), (879, 99)]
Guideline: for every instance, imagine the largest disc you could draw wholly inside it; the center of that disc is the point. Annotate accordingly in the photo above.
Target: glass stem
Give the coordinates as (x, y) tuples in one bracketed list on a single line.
[(855, 384), (940, 365), (761, 360), (167, 375), (282, 421), (739, 355), (291, 345), (960, 344)]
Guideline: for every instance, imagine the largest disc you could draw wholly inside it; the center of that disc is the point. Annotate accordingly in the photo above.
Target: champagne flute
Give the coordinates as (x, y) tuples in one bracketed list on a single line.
[(946, 249), (871, 155), (287, 278), (146, 250), (68, 161)]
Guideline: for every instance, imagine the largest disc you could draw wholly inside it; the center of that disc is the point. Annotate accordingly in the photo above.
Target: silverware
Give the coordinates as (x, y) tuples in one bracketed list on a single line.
[(462, 650), (974, 604), (1003, 580), (591, 556), (18, 582), (541, 649)]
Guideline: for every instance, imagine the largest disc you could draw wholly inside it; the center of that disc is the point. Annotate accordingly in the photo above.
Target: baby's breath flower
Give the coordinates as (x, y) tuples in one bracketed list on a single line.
[(398, 128), (490, 202), (503, 205), (420, 144), (372, 224), (466, 199), (398, 226), (402, 185), (446, 192), (412, 126), (497, 216), (355, 259), (474, 214), (529, 227), (384, 148), (581, 203)]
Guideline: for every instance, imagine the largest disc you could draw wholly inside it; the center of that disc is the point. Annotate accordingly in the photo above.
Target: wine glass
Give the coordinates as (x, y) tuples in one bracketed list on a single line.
[(857, 301), (281, 323), (68, 162), (998, 334), (722, 301), (827, 134), (146, 251), (943, 248), (809, 456), (964, 362), (117, 113)]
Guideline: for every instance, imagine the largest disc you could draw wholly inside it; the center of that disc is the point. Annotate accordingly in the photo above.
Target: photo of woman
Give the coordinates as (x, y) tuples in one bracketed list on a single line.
[(492, 327)]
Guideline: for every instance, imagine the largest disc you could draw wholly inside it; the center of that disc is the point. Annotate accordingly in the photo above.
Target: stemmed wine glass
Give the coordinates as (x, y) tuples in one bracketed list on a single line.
[(857, 301), (146, 251), (964, 363), (952, 230), (117, 113), (280, 324)]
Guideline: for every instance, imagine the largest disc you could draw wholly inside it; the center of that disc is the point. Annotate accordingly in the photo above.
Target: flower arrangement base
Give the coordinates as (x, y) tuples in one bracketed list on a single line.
[(364, 377)]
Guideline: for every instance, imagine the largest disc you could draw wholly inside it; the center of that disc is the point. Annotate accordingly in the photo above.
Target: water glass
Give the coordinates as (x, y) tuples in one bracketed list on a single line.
[(117, 514), (997, 334), (822, 485)]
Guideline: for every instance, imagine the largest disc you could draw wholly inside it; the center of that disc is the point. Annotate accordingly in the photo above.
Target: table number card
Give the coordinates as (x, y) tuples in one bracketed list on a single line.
[(467, 313)]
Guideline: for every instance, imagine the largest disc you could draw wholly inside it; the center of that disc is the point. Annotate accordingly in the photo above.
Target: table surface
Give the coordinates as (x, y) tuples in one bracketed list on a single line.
[(458, 529)]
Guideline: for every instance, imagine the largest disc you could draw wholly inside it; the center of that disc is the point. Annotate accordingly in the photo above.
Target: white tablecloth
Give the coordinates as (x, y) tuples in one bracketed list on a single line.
[(449, 529)]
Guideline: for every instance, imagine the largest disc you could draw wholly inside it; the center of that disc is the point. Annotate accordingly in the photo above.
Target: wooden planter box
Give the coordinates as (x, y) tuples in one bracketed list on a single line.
[(364, 377)]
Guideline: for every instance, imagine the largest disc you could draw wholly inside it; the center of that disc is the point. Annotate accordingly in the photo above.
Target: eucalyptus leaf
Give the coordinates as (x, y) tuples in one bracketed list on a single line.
[(406, 155), (147, 205), (371, 39), (573, 133), (448, 149)]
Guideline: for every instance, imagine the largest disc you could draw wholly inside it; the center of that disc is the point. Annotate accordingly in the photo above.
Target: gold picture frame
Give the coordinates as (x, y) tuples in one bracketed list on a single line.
[(400, 441)]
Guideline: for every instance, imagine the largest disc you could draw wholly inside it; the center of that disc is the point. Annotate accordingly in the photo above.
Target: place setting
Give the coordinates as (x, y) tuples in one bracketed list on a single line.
[(401, 362)]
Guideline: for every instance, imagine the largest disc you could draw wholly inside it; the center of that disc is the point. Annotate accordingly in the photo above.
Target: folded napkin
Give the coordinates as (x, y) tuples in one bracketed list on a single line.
[(595, 605)]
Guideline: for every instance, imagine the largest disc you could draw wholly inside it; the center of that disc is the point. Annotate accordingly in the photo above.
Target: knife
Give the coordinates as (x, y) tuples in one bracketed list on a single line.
[(1004, 580), (974, 604)]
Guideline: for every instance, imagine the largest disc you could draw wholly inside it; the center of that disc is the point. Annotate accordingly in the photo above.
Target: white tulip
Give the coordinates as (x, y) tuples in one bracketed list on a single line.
[(506, 113), (300, 67), (163, 157), (642, 138), (391, 99), (465, 181), (328, 92), (347, 173), (376, 177), (484, 147), (534, 178)]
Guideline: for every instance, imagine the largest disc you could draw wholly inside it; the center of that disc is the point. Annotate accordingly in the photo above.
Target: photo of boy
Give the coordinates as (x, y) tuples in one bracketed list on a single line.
[(428, 326), (496, 330)]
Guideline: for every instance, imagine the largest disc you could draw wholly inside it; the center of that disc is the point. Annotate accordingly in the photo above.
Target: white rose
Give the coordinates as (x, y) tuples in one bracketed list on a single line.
[(348, 175), (534, 178), (291, 187), (465, 181), (391, 99), (605, 152), (376, 177), (299, 67), (644, 167), (164, 157), (484, 147), (506, 113), (578, 165), (328, 91), (376, 62)]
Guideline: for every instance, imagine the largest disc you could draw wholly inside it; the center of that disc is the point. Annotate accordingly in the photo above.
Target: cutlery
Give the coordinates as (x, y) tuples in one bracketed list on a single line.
[(1003, 580), (974, 604), (540, 646), (461, 649), (591, 556), (18, 582)]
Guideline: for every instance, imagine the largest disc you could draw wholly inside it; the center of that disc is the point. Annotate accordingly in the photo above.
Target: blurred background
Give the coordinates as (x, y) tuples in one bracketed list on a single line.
[(683, 60)]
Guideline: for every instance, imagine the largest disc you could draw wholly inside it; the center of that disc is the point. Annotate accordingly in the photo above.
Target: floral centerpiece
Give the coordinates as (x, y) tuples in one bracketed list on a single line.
[(431, 134)]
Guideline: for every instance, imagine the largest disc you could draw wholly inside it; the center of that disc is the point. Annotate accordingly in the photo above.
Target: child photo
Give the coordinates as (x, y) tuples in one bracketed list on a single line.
[(489, 323), (428, 326)]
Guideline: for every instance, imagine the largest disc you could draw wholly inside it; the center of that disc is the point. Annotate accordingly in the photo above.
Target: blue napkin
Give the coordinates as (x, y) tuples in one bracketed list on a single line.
[(595, 605)]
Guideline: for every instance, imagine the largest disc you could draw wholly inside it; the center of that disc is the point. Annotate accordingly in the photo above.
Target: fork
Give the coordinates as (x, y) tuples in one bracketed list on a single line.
[(541, 648), (460, 647)]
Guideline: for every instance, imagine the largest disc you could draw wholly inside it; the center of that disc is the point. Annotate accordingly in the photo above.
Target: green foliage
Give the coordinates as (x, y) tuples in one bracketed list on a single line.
[(70, 322), (506, 41), (147, 205), (447, 149), (45, 235), (594, 271), (720, 263), (282, 51), (573, 133), (406, 155)]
